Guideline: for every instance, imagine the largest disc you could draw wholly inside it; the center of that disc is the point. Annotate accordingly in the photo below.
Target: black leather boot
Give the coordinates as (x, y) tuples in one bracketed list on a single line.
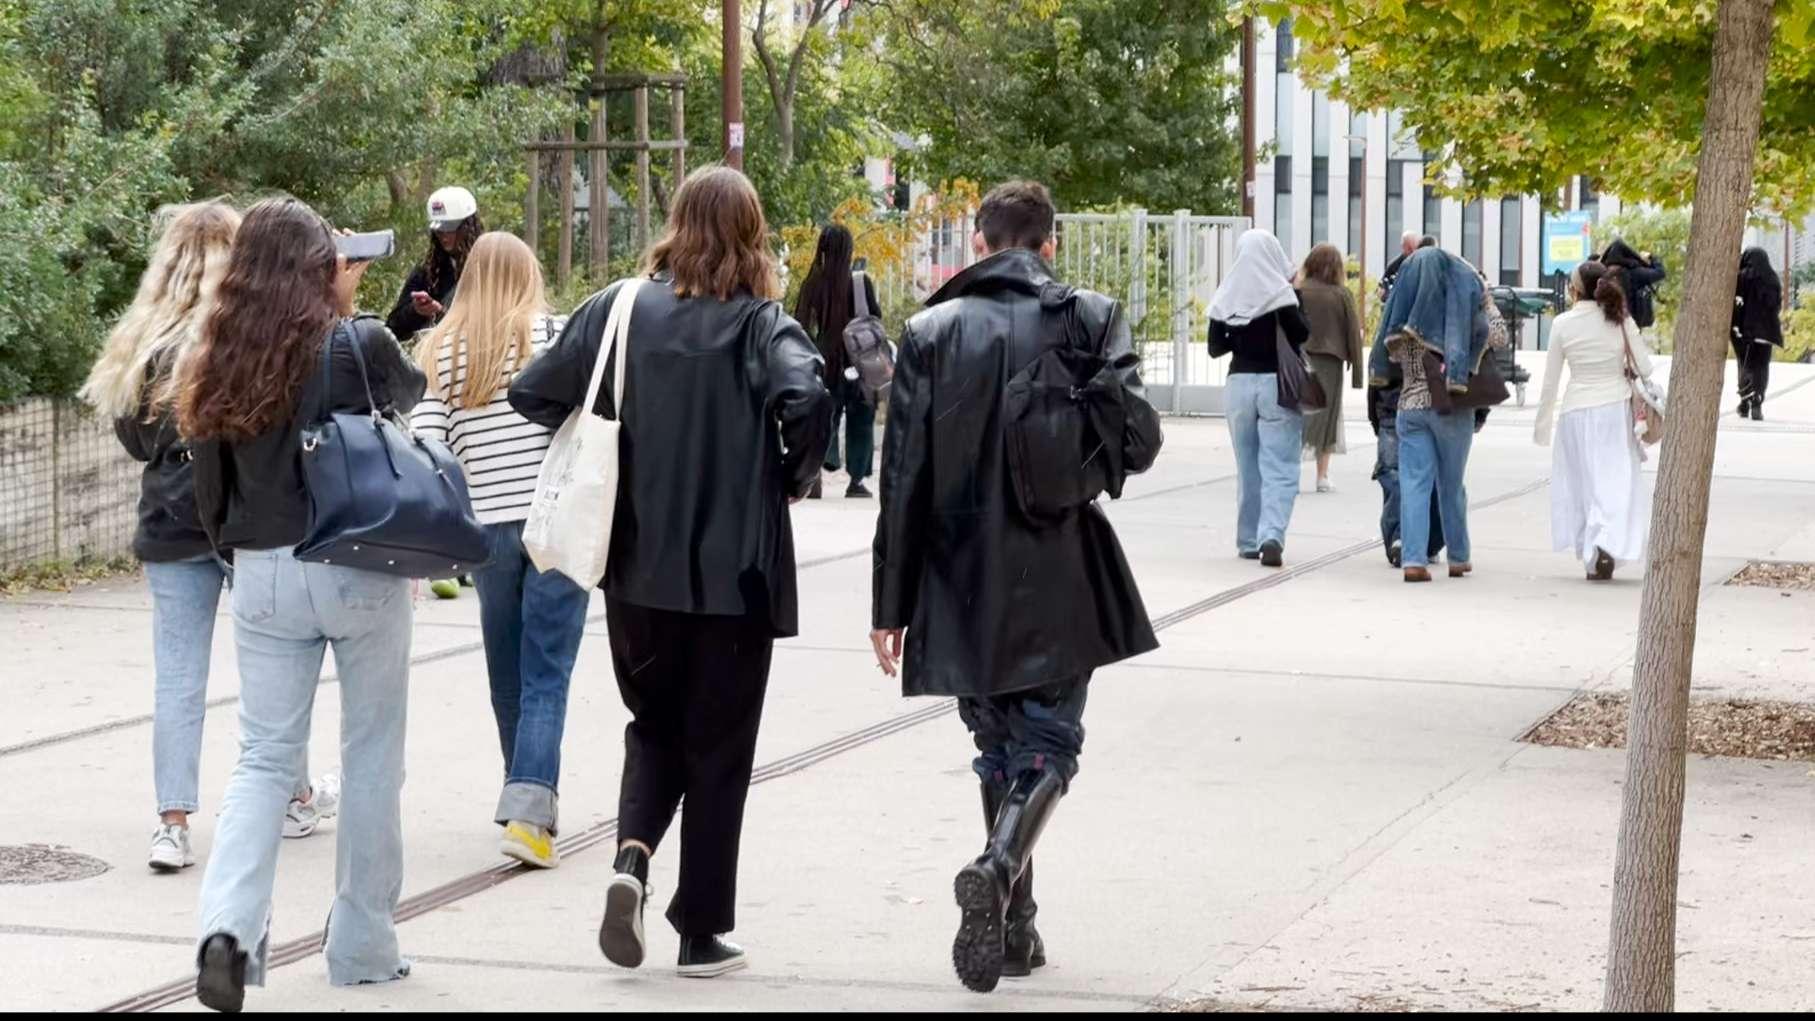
[(1023, 949), (984, 888)]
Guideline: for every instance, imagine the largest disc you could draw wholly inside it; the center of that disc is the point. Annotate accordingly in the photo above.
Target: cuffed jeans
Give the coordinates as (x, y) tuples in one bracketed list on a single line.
[(184, 597), (285, 616), (531, 622), (1022, 731), (1267, 440), (1433, 457)]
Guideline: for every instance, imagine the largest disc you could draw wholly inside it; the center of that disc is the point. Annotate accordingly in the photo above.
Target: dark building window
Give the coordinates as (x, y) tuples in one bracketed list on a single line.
[(1282, 201), (1471, 233), (1357, 195), (1320, 199), (1284, 47), (1433, 213), (1395, 207), (1512, 241)]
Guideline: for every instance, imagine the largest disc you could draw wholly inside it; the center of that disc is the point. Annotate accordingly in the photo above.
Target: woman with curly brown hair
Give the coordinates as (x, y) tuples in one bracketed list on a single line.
[(278, 350)]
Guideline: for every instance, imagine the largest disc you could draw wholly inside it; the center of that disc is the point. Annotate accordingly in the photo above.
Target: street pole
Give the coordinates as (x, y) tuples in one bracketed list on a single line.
[(733, 88), (1247, 59)]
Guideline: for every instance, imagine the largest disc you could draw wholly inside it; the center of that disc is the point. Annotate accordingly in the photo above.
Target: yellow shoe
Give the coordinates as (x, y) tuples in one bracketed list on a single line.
[(530, 844)]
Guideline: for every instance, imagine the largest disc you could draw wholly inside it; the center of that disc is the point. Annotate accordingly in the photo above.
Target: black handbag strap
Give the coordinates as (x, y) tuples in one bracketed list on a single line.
[(325, 403)]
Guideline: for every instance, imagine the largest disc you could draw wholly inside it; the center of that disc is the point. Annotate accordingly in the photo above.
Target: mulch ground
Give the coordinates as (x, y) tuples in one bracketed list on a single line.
[(1727, 727), (1765, 574)]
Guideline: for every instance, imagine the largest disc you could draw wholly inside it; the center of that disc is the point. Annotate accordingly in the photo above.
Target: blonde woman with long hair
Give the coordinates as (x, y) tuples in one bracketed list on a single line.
[(131, 383), (530, 621)]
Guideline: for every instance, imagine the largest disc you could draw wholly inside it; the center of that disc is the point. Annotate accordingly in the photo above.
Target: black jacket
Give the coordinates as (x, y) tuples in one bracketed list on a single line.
[(169, 529), (251, 494), (1642, 277), (1758, 300), (993, 604), (725, 419), (405, 322), (1255, 343)]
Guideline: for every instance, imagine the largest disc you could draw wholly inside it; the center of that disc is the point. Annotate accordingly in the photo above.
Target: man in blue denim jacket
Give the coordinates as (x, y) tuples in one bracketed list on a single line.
[(1437, 298)]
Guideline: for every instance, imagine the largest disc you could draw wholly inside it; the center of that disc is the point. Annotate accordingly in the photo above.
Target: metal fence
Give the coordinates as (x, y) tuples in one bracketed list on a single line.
[(1163, 268), (68, 491)]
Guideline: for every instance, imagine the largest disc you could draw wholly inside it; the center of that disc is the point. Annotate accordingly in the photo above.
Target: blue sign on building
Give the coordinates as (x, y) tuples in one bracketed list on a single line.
[(1568, 241)]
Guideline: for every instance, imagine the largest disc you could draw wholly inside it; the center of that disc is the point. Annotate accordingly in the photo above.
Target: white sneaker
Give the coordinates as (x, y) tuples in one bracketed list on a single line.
[(170, 848), (302, 818), (1325, 486)]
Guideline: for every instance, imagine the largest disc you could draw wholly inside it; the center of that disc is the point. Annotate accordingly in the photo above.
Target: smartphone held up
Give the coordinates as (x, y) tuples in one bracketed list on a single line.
[(366, 247)]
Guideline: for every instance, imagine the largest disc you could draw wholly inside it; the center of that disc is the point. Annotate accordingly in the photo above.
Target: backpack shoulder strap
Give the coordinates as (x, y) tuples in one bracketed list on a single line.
[(860, 294)]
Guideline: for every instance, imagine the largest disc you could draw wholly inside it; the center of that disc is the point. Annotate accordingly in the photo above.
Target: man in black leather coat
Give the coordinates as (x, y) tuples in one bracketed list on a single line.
[(1008, 615)]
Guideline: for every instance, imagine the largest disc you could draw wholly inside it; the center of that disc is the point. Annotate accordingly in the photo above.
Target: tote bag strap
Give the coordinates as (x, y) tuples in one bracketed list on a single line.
[(617, 326), (1632, 363)]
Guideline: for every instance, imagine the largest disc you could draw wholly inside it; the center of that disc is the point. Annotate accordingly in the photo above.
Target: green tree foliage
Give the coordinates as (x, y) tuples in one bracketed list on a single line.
[(1524, 94), (109, 109), (1108, 101)]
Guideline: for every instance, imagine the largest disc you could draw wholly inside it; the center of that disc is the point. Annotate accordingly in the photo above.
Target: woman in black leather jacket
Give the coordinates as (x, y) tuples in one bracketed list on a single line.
[(725, 422), (242, 400)]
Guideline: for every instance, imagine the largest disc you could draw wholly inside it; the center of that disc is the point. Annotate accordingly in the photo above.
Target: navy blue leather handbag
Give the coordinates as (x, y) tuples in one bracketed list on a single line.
[(381, 499)]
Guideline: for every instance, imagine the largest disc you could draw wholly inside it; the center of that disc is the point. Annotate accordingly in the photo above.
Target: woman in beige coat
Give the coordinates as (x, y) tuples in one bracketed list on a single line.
[(1335, 341)]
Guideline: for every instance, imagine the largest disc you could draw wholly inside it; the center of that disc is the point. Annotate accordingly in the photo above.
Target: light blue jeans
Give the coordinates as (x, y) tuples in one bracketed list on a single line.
[(1433, 456), (184, 597), (285, 615), (1268, 440)]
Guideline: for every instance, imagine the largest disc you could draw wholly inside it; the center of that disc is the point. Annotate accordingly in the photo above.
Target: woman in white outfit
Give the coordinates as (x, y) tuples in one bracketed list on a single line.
[(1600, 505)]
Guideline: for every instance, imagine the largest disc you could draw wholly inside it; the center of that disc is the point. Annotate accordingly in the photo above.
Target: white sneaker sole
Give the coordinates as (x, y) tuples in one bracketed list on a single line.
[(169, 864), (726, 967), (297, 831), (621, 933)]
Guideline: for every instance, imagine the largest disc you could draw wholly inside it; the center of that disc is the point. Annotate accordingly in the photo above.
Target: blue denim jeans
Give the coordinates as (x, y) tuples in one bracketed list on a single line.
[(531, 622), (184, 597), (1386, 472), (285, 616), (1041, 728), (1268, 440), (1433, 457)]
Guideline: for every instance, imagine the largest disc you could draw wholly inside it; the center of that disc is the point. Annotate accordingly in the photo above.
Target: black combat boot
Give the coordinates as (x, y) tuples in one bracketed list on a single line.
[(984, 889)]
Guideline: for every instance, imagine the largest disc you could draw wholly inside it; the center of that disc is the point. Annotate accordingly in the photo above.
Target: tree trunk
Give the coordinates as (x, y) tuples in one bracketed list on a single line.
[(1641, 952), (784, 118)]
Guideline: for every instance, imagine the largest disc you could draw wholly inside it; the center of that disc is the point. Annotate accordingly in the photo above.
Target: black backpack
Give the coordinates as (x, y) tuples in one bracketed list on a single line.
[(1064, 418)]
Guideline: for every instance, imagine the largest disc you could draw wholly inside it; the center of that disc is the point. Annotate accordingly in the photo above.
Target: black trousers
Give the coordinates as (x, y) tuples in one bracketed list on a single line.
[(694, 686), (1754, 370)]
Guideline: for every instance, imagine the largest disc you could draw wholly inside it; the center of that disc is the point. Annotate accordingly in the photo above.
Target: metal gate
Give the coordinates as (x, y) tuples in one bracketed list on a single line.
[(1162, 268)]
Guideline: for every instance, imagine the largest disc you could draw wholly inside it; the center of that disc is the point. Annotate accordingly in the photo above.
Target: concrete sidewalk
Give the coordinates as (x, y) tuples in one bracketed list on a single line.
[(1313, 795)]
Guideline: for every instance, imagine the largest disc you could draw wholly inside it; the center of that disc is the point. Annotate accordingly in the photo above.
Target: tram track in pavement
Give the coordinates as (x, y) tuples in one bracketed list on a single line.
[(301, 948)]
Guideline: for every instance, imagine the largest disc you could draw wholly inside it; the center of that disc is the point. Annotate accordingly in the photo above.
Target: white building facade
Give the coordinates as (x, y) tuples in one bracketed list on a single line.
[(1356, 180)]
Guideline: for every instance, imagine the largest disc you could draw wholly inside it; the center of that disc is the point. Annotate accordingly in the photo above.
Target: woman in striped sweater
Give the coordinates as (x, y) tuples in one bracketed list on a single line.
[(531, 621)]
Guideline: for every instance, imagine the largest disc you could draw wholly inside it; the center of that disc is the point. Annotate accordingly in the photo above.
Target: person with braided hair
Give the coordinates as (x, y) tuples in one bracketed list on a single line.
[(453, 227)]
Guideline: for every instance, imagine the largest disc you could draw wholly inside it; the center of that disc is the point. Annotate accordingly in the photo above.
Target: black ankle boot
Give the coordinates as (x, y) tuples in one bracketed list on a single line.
[(221, 981), (1023, 949), (621, 931), (985, 887)]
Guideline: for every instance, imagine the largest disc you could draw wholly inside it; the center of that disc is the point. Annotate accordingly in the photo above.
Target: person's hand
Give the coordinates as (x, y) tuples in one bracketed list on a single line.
[(346, 282), (887, 643), (425, 306)]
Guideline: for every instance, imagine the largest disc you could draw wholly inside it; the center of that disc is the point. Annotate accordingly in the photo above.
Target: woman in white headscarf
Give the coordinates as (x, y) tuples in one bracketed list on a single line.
[(1252, 308)]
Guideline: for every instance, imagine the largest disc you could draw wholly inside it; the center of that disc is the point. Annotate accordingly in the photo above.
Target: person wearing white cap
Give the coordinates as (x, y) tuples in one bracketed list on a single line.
[(454, 225)]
